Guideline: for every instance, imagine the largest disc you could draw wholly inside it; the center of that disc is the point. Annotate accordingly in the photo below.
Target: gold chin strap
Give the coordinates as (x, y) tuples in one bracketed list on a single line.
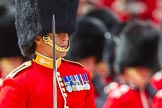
[(49, 41)]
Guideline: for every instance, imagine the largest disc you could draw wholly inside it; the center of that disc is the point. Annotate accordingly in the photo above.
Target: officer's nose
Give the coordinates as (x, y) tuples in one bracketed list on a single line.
[(65, 37)]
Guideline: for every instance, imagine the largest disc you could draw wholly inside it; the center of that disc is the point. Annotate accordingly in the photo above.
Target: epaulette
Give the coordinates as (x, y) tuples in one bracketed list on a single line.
[(1, 82), (158, 76), (159, 94), (123, 89), (77, 63), (111, 87), (18, 69)]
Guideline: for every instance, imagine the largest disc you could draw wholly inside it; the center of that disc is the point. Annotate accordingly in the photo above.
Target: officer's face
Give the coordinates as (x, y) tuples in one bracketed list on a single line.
[(138, 76), (61, 40)]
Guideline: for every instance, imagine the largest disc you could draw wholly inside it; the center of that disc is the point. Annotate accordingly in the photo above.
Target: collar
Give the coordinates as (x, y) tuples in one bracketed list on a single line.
[(131, 85), (46, 61)]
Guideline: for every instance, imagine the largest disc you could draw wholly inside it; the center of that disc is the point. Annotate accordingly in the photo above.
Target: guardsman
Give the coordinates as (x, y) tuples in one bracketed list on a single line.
[(31, 84), (157, 82), (135, 61), (156, 79), (10, 55), (89, 50), (112, 24)]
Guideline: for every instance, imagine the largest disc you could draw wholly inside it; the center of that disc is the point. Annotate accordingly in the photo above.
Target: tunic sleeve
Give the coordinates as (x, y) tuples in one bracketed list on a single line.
[(89, 99), (12, 95)]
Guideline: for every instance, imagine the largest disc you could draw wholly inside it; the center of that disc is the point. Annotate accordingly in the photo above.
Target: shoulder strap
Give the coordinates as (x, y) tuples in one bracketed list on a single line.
[(77, 63), (18, 69)]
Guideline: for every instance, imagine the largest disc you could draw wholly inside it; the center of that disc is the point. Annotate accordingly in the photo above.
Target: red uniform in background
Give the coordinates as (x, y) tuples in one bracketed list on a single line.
[(156, 80), (134, 68), (32, 81), (157, 101), (1, 81), (118, 7), (0, 74), (125, 96)]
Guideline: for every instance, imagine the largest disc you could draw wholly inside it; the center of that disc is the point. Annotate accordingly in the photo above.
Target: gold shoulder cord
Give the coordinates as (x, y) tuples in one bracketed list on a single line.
[(18, 69)]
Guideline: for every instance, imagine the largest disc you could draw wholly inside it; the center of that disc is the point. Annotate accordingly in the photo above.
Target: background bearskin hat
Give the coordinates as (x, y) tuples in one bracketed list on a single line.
[(8, 37), (88, 40), (138, 46), (105, 15)]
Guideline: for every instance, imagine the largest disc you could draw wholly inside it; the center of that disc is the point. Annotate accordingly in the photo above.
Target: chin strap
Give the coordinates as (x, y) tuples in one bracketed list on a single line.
[(49, 41)]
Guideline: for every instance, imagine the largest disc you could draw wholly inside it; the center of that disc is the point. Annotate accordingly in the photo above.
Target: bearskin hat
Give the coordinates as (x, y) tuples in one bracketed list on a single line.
[(105, 15), (88, 40), (8, 41), (138, 46), (34, 18)]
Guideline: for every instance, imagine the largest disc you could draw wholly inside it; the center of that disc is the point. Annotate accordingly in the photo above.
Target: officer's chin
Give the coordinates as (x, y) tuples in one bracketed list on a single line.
[(60, 54)]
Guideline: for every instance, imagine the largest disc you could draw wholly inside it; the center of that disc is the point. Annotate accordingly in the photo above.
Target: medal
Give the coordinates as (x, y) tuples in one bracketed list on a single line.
[(72, 83), (74, 88), (67, 84), (86, 81), (87, 86), (68, 88), (76, 82), (81, 82), (78, 87), (81, 87)]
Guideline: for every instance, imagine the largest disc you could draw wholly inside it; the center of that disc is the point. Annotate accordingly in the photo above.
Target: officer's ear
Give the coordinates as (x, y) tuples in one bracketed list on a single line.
[(38, 40)]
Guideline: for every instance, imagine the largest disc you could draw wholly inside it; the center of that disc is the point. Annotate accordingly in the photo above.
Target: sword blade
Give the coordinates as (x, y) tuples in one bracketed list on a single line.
[(54, 65)]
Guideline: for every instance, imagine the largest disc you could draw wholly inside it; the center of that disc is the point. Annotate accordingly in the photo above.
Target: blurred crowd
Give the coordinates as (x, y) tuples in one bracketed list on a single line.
[(118, 41)]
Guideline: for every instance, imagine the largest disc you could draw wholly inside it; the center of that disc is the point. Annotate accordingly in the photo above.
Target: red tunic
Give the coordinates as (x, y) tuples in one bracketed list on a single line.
[(0, 74), (126, 97), (156, 80), (32, 87), (0, 80), (157, 101)]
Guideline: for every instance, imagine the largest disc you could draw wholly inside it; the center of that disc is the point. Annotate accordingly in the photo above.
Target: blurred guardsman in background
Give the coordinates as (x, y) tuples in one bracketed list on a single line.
[(89, 35), (31, 84), (87, 45), (156, 80), (112, 23), (10, 55), (136, 60)]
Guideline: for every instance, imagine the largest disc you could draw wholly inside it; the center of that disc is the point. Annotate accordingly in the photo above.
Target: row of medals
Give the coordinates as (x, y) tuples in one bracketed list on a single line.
[(76, 82)]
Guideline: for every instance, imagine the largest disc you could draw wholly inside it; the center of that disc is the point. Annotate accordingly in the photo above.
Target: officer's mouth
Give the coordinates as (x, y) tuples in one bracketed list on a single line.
[(64, 47)]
